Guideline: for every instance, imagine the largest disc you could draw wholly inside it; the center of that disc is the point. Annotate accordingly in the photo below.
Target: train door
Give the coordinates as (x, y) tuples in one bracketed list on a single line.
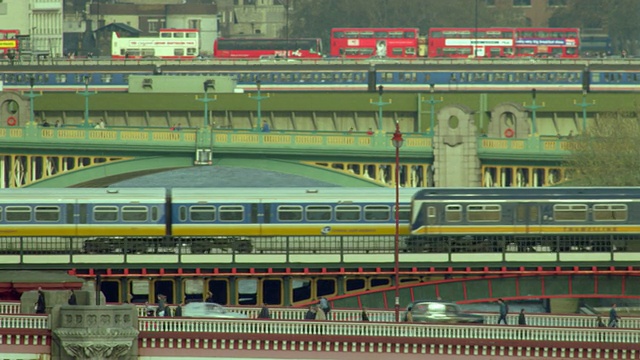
[(526, 226)]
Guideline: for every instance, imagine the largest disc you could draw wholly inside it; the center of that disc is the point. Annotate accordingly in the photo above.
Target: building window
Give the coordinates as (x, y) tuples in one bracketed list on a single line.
[(194, 24), (154, 26), (521, 2), (557, 2)]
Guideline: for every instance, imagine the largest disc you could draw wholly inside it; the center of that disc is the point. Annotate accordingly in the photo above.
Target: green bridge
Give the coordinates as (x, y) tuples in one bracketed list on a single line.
[(344, 139)]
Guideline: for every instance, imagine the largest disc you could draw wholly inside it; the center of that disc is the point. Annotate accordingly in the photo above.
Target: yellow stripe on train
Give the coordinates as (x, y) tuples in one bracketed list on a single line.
[(287, 230), (526, 229)]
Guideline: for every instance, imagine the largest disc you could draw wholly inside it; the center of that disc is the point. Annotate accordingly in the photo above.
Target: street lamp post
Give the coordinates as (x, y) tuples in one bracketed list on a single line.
[(397, 143), (584, 105), (209, 84), (31, 95), (259, 99), (533, 108), (432, 102), (86, 95), (380, 104)]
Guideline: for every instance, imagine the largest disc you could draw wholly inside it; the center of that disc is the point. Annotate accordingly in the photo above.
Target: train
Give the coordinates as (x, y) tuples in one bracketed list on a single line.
[(547, 219), (477, 77), (259, 220), (198, 221)]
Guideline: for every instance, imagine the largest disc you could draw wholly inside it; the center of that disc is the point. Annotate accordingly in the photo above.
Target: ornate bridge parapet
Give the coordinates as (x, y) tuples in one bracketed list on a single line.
[(94, 332)]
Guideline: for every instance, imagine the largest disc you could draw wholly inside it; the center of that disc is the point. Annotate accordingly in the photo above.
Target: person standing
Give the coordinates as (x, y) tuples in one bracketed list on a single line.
[(613, 316), (504, 310), (365, 317), (72, 298), (311, 313), (264, 312), (521, 318), (324, 306), (40, 303)]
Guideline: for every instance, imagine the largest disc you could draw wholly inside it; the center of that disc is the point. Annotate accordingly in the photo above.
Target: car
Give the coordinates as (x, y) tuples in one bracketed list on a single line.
[(210, 310), (436, 311)]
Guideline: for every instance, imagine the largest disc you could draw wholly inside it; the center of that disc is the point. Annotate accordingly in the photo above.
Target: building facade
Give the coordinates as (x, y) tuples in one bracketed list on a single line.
[(41, 19)]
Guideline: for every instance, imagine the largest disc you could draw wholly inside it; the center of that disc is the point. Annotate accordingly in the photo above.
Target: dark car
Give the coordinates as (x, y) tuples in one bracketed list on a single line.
[(439, 312)]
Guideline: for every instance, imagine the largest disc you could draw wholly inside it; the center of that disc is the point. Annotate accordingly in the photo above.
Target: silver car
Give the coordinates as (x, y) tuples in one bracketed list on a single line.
[(210, 310)]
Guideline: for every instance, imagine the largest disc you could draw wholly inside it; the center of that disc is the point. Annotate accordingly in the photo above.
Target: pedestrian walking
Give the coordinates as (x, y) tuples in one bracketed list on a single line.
[(613, 316), (40, 305), (504, 310)]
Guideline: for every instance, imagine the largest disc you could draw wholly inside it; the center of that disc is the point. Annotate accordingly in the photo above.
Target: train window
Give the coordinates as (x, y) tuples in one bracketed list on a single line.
[(202, 213), (231, 213), (318, 212), (61, 78), (47, 213), (182, 213), (453, 213), (289, 213), (574, 212), (155, 213), (106, 78), (18, 213), (0, 213), (348, 213), (405, 212), (483, 212), (377, 213), (135, 213), (105, 213), (610, 212)]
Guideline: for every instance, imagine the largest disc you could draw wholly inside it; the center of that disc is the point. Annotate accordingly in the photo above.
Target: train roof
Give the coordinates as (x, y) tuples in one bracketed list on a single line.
[(90, 194), (328, 194), (527, 193)]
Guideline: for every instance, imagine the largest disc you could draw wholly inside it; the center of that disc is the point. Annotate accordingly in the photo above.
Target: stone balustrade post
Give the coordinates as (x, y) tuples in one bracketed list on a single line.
[(94, 332)]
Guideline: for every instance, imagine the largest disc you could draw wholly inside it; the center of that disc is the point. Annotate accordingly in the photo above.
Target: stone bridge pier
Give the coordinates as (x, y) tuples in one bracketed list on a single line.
[(94, 332)]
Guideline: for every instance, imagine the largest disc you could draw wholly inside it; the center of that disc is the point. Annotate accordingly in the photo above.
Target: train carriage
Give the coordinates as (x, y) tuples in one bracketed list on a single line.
[(289, 218), (524, 219), (72, 218)]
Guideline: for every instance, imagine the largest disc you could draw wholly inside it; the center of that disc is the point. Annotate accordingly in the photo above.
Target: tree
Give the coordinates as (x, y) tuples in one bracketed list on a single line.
[(609, 154)]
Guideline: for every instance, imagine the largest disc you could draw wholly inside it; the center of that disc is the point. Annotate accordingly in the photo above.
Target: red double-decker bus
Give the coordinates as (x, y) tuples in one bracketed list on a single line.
[(503, 42), (362, 43), (258, 48), (9, 43)]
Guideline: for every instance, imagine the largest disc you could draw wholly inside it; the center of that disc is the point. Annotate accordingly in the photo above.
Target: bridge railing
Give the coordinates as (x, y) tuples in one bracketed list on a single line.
[(15, 321), (378, 315), (366, 329), (164, 139)]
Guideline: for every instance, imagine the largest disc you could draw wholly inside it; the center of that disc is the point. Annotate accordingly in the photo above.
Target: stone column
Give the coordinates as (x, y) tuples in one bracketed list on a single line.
[(94, 332)]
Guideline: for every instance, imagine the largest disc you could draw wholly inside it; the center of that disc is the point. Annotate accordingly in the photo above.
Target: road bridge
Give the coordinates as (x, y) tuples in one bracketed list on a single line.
[(157, 338)]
